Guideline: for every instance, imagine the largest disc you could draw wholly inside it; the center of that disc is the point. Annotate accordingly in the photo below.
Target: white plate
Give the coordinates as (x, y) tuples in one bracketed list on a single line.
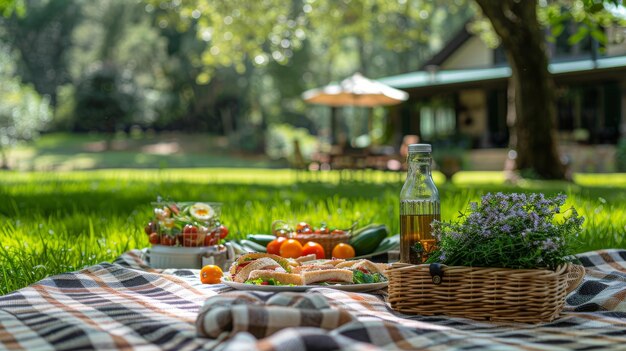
[(343, 287)]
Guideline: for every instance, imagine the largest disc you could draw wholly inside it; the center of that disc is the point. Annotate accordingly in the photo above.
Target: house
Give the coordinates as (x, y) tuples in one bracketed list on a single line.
[(461, 92)]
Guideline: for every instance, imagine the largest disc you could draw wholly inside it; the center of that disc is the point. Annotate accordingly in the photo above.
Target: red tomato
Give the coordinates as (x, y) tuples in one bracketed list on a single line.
[(291, 248), (150, 228), (322, 230), (167, 240), (210, 239), (313, 248), (189, 229), (154, 238), (190, 239), (303, 227), (274, 246), (223, 230), (338, 231)]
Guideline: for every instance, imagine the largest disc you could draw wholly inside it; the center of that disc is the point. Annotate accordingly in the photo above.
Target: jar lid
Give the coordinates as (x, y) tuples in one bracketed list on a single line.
[(420, 148)]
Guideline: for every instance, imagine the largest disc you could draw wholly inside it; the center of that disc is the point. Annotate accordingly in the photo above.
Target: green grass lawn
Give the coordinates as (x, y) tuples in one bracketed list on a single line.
[(63, 221), (63, 152)]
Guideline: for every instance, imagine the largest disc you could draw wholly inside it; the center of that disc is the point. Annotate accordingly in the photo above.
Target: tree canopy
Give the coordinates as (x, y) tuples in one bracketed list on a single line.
[(234, 67)]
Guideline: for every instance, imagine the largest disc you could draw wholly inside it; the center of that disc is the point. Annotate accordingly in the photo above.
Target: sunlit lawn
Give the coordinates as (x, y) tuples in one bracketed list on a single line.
[(65, 152), (63, 221)]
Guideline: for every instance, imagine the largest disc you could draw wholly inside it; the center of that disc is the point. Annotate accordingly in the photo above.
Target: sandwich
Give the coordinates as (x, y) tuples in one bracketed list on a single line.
[(264, 277), (327, 276), (241, 268), (365, 265), (364, 271), (307, 258), (312, 267)]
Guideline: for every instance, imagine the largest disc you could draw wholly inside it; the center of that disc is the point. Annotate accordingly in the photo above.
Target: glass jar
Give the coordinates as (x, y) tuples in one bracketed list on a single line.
[(419, 206)]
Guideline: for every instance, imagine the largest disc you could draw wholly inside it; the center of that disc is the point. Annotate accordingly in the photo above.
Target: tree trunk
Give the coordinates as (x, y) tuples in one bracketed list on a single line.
[(515, 22)]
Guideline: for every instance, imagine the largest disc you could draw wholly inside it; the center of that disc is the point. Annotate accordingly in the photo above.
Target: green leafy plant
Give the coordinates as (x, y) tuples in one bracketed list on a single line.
[(509, 231)]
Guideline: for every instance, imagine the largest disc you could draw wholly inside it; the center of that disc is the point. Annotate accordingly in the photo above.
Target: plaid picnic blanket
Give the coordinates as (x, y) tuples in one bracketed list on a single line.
[(263, 314), (126, 305)]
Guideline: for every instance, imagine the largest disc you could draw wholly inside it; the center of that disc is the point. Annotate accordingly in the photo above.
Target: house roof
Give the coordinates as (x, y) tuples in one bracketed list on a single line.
[(450, 48), (421, 80)]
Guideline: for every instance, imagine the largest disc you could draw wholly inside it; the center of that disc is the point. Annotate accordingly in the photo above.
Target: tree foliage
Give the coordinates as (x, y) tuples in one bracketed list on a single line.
[(42, 36), (234, 67), (23, 112), (367, 30), (8, 7)]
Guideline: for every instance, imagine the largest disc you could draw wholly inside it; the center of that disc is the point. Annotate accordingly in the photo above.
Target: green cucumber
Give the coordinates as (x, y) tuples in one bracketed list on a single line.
[(252, 245), (389, 243), (365, 240), (261, 239)]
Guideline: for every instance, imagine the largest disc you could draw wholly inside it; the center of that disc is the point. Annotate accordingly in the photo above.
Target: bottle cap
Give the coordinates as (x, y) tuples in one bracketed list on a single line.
[(420, 148)]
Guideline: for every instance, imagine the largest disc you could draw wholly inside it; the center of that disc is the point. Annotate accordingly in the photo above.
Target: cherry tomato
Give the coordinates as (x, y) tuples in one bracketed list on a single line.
[(211, 274), (322, 230), (338, 231), (302, 226), (189, 229), (150, 228), (274, 246), (313, 248), (223, 230), (342, 250), (154, 238), (211, 239), (168, 240), (291, 248), (190, 239)]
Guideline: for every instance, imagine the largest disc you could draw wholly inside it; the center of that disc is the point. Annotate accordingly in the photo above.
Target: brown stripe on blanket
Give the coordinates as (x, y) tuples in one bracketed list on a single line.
[(120, 342), (608, 258), (6, 335), (145, 304), (229, 313)]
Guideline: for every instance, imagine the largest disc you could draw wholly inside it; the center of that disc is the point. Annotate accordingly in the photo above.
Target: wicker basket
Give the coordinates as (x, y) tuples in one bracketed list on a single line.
[(328, 241), (498, 294)]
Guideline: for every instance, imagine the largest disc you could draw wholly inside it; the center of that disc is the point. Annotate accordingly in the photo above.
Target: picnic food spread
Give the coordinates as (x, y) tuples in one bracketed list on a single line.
[(269, 269), (155, 309)]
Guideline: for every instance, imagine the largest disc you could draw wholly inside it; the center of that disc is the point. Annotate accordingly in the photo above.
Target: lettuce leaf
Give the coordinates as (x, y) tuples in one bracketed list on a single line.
[(270, 281), (359, 277)]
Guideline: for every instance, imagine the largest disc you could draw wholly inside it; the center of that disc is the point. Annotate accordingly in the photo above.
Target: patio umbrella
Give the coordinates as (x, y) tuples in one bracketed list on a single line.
[(355, 90)]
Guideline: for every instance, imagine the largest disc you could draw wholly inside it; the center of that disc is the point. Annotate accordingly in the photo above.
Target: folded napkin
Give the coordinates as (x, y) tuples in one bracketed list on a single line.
[(263, 314)]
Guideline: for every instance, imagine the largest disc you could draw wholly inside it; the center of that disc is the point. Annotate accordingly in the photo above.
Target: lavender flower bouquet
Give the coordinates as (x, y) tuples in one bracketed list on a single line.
[(509, 231)]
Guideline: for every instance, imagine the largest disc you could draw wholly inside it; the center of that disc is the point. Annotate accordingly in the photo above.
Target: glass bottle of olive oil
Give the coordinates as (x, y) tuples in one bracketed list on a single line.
[(419, 206)]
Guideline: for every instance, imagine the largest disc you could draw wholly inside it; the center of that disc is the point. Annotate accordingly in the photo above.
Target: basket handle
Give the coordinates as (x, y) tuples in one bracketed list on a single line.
[(279, 223), (575, 275), (350, 229)]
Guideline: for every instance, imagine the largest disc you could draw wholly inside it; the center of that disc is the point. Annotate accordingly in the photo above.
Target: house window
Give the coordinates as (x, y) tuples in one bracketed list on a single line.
[(589, 113), (437, 119)]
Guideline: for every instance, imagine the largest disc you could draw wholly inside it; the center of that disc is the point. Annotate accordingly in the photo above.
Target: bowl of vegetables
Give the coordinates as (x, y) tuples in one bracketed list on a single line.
[(182, 233), (325, 236)]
